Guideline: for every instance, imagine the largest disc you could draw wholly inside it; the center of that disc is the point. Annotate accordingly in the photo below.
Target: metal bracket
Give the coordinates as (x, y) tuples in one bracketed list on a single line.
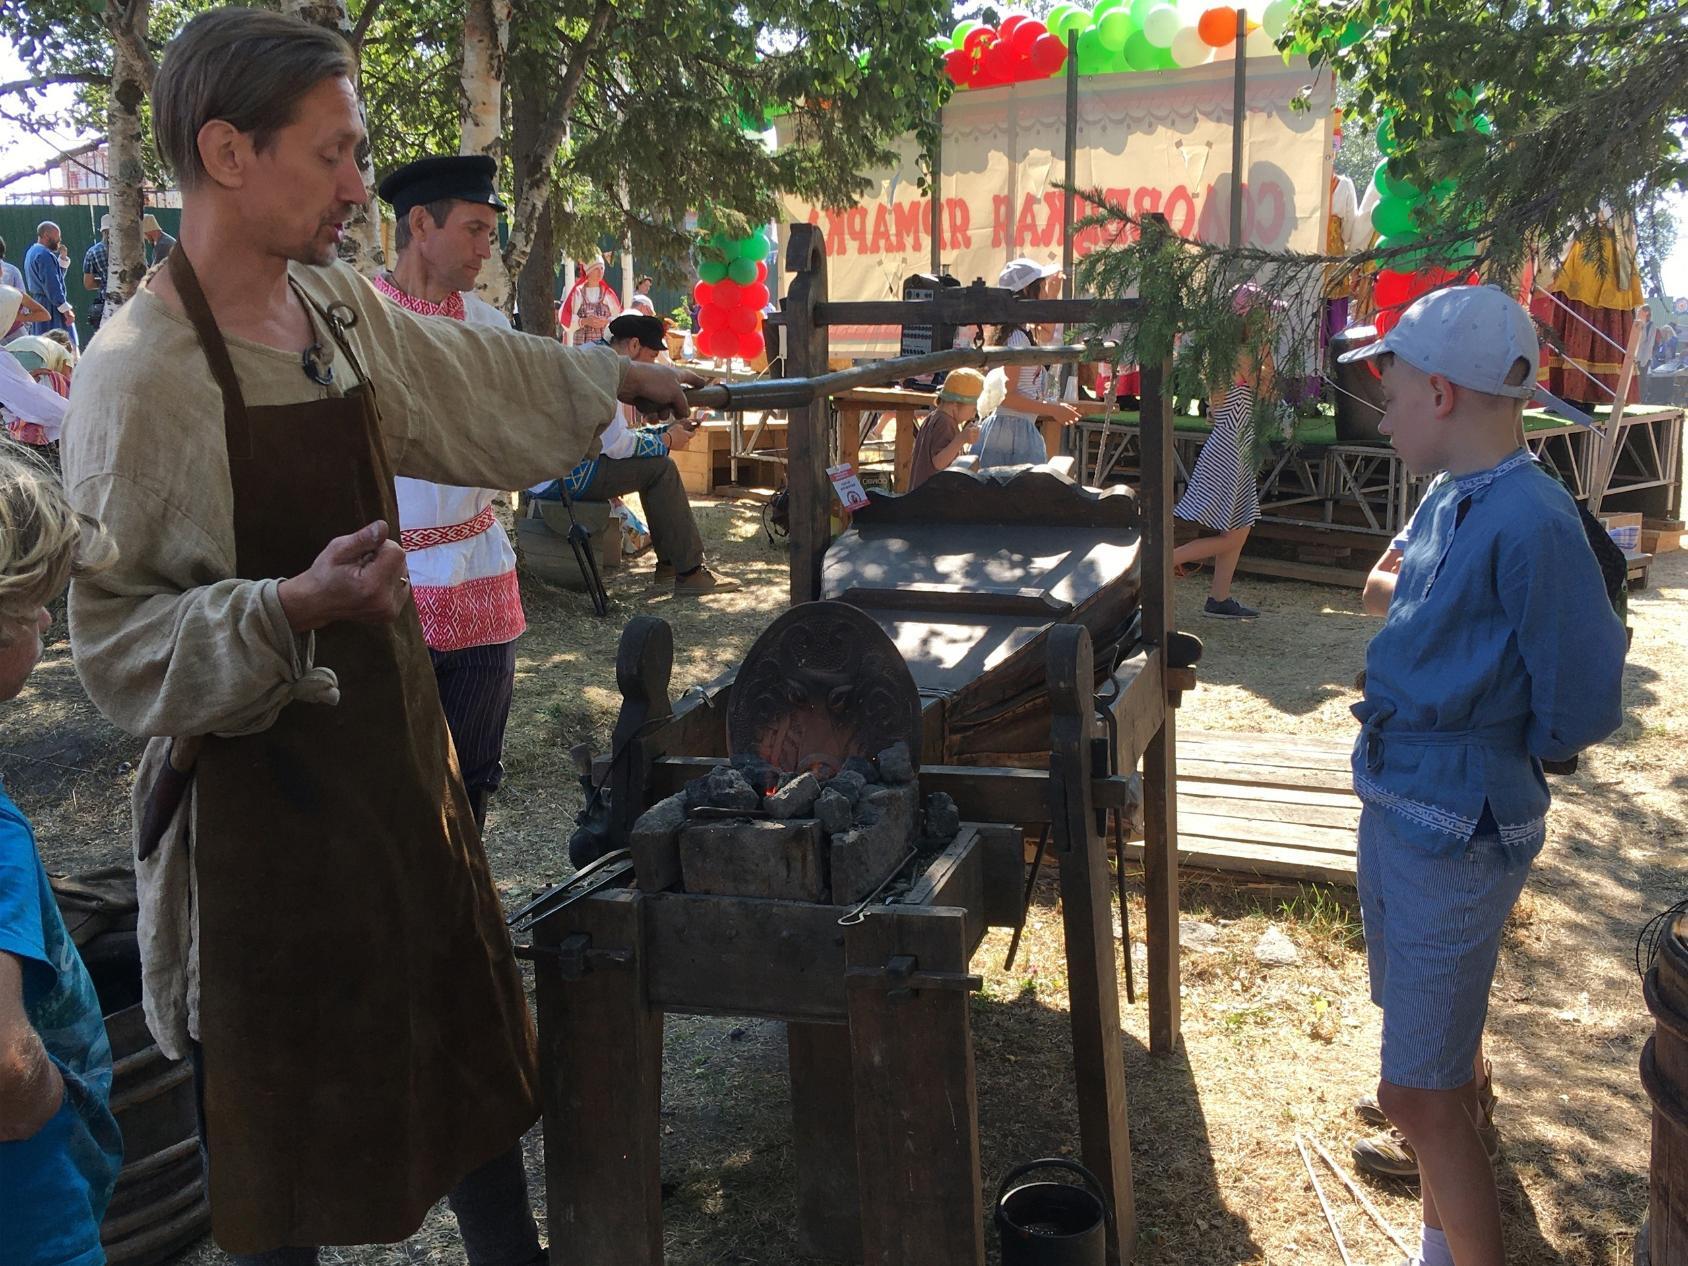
[(904, 981), (574, 955)]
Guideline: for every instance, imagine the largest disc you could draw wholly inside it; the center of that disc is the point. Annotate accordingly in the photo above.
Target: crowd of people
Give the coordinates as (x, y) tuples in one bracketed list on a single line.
[(324, 698)]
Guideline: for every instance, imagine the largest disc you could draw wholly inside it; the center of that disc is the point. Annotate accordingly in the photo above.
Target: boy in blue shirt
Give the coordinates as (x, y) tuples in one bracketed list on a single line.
[(60, 1148), (1500, 650)]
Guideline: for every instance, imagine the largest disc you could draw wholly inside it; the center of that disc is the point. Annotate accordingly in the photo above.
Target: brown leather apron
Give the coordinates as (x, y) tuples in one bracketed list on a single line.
[(366, 1037)]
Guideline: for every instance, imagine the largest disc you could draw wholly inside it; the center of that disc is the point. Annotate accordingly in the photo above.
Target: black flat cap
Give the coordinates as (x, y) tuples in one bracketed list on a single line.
[(468, 178), (647, 329)]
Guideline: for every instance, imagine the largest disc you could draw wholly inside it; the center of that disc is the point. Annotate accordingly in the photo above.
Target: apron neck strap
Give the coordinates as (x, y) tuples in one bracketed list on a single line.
[(186, 281)]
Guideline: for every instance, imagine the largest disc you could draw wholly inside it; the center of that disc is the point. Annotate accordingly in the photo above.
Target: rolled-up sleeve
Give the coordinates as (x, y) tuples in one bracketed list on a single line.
[(1570, 639)]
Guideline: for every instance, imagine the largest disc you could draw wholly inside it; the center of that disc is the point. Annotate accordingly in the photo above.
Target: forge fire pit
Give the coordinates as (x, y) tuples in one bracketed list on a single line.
[(793, 864), (819, 799)]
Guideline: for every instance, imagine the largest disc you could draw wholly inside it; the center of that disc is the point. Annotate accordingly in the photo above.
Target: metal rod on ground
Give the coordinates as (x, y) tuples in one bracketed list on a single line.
[(787, 393), (1358, 1194), (1239, 118), (1031, 882), (1330, 1217)]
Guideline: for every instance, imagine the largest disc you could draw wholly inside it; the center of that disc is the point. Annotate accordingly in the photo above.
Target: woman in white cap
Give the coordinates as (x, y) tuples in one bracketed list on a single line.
[(1009, 437)]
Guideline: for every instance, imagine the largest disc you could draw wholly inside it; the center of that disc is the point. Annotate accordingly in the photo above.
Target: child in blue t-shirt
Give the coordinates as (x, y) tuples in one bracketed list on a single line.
[(60, 1149), (1499, 651)]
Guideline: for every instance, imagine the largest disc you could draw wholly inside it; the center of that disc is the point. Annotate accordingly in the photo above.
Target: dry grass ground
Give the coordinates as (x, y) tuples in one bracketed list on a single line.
[(1267, 1051)]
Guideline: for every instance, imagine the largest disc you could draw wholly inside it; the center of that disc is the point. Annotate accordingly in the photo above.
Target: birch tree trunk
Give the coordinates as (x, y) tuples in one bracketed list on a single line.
[(486, 42), (361, 247), (131, 79)]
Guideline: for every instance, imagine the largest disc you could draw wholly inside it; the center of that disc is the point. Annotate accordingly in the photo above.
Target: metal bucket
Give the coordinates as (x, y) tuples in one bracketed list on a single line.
[(1052, 1223)]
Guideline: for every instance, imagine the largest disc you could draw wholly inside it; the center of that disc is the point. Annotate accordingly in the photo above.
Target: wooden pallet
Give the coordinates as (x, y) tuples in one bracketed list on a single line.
[(1266, 806)]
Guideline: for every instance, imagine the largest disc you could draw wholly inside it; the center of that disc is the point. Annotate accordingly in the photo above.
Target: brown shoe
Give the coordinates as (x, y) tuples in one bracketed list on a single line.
[(663, 577), (703, 581), (1367, 1109), (1389, 1155)]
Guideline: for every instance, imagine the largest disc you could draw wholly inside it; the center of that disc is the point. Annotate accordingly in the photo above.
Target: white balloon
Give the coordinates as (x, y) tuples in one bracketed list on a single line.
[(1276, 17), (1260, 44), (1189, 49), (1160, 25)]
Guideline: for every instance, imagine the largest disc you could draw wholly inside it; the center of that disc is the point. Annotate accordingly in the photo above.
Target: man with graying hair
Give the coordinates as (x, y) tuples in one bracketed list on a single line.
[(319, 924), (43, 278)]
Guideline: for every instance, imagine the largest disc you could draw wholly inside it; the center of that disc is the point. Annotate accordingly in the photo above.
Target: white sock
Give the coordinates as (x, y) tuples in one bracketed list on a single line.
[(1433, 1247)]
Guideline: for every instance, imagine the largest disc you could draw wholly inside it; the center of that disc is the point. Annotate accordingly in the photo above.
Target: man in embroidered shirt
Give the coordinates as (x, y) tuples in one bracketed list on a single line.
[(1499, 651), (635, 459), (462, 569)]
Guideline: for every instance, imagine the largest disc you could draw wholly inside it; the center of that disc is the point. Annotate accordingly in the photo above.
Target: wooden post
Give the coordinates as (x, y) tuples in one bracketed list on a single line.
[(1087, 916), (808, 431), (1239, 117), (1160, 806), (644, 660), (1070, 165), (823, 1136), (600, 1055), (937, 177), (917, 1103)]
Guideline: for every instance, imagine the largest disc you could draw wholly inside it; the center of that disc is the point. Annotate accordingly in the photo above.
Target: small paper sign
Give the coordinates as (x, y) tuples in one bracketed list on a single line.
[(848, 485)]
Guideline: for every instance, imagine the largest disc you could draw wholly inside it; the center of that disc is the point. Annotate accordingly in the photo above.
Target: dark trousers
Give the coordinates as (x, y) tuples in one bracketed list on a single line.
[(674, 533), (493, 1215), (476, 685)]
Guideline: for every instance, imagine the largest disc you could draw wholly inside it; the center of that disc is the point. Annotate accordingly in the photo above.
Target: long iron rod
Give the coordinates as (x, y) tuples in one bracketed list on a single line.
[(792, 393)]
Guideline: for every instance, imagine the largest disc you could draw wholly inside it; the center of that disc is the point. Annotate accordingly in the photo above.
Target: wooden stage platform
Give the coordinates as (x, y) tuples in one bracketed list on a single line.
[(1265, 806)]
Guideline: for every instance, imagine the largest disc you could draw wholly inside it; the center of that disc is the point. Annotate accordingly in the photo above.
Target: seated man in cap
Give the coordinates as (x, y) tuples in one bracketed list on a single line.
[(462, 569), (635, 459)]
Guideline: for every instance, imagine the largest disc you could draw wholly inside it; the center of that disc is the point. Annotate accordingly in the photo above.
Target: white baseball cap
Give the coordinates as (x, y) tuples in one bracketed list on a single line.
[(1472, 335), (1017, 274)]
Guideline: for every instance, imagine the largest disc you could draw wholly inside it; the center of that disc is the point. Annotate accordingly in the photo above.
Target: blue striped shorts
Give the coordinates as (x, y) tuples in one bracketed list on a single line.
[(1433, 927)]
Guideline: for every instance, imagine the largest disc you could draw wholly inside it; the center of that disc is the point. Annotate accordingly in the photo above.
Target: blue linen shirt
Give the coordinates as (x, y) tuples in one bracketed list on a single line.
[(1500, 650), (54, 1185), (45, 281)]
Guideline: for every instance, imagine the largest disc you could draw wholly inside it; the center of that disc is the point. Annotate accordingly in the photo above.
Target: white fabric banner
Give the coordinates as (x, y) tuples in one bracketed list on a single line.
[(1150, 141)]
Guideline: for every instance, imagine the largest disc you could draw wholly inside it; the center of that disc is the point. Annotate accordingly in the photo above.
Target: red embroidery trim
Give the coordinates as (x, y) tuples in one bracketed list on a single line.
[(482, 612), (452, 307), (414, 539)]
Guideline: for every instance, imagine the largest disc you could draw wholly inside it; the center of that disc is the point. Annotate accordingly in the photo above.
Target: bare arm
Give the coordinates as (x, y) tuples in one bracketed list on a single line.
[(1380, 584), (31, 1089), (29, 310), (949, 452)]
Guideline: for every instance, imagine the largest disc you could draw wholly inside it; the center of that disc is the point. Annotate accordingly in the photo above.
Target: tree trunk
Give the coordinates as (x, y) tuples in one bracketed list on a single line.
[(361, 247), (536, 280), (131, 75), (486, 40), (539, 151)]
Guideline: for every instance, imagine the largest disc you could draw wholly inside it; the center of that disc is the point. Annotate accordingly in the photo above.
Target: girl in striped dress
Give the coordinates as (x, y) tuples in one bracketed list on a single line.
[(1222, 499)]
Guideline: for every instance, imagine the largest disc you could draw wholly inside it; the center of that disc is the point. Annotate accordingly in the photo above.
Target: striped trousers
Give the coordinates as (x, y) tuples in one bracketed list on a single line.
[(476, 685)]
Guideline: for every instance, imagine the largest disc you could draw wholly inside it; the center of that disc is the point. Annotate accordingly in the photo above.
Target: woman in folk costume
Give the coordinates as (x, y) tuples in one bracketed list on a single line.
[(590, 307), (1590, 307)]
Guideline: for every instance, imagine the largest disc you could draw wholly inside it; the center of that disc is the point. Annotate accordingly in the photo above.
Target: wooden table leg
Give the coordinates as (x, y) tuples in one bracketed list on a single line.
[(902, 461), (823, 1133), (600, 1055), (850, 434), (1076, 756), (917, 1104)]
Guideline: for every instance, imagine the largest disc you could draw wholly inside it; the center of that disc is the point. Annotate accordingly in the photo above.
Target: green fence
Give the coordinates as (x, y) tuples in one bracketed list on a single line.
[(80, 227)]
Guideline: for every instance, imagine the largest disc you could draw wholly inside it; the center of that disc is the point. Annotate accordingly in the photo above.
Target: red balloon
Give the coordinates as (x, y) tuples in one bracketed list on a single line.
[(1048, 55), (705, 343), (728, 293), (743, 320), (978, 40), (1024, 37), (714, 317), (755, 295), (761, 275), (958, 65), (1013, 22), (998, 64), (1392, 288), (750, 345), (703, 294)]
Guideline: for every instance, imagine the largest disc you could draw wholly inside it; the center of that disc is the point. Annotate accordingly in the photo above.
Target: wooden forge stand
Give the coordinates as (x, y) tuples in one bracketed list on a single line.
[(884, 1100)]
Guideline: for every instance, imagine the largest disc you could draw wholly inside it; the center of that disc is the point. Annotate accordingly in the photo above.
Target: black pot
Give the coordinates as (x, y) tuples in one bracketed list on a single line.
[(1052, 1223)]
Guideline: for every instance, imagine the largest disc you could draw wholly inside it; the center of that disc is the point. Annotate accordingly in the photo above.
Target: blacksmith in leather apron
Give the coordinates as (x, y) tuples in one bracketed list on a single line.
[(366, 1039)]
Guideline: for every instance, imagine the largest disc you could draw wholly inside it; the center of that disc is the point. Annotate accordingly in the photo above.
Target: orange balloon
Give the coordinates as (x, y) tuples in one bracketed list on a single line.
[(1218, 27)]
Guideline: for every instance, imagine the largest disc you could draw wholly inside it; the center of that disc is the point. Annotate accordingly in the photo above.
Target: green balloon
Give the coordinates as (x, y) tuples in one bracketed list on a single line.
[(958, 36), (1386, 142), (1406, 262), (1393, 186), (711, 270), (1161, 24), (1139, 53), (754, 248), (1114, 28), (1053, 19), (1392, 217), (1076, 22), (1352, 34), (1483, 124), (743, 271), (1164, 60), (1093, 58), (1140, 11)]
